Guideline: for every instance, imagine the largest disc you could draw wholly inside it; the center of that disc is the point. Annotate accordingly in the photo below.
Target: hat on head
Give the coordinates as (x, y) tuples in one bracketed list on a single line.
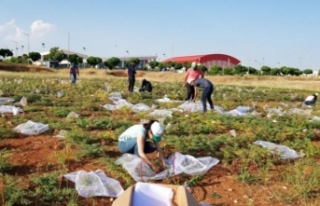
[(157, 131), (193, 65), (190, 80)]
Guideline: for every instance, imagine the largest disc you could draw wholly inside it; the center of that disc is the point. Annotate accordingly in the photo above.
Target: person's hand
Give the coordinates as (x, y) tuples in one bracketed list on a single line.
[(184, 84), (155, 168)]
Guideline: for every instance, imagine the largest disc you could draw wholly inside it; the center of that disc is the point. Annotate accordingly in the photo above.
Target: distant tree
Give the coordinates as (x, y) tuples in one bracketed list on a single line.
[(74, 58), (136, 60), (6, 53), (265, 70), (169, 64), (92, 61), (308, 71), (239, 69), (215, 70), (203, 68), (34, 56), (275, 71), (177, 65), (56, 54), (98, 60), (112, 62), (153, 64), (228, 71), (297, 72)]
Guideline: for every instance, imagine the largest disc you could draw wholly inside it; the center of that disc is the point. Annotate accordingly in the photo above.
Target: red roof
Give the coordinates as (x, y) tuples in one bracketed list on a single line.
[(203, 58)]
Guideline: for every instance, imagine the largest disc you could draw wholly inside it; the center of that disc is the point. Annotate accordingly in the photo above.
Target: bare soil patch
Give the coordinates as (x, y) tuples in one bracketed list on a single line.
[(24, 68)]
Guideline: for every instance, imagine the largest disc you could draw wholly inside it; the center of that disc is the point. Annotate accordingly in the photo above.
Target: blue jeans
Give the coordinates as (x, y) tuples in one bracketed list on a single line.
[(206, 95), (73, 77), (130, 146)]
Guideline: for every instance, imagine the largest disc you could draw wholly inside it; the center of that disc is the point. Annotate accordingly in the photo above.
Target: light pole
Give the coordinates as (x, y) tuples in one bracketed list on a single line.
[(42, 54), (28, 44), (84, 49), (22, 48), (16, 47)]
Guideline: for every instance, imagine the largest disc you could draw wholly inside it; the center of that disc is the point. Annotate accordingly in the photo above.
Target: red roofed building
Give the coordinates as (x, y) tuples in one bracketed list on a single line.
[(208, 60)]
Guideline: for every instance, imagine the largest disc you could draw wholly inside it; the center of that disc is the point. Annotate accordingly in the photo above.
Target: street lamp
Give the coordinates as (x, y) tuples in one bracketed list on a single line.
[(28, 44), (16, 47), (84, 49), (42, 54)]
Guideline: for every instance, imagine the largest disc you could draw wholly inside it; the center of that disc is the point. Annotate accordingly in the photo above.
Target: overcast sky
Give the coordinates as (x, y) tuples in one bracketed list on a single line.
[(269, 32)]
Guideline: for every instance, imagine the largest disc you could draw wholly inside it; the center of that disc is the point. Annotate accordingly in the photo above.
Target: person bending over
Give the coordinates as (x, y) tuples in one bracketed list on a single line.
[(142, 139), (207, 91)]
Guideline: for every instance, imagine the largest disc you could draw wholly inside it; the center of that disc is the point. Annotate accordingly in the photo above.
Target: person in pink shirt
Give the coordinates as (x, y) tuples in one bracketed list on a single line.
[(192, 73)]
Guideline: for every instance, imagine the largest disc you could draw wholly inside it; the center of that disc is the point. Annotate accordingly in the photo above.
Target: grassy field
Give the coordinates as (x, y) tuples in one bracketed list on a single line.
[(32, 166)]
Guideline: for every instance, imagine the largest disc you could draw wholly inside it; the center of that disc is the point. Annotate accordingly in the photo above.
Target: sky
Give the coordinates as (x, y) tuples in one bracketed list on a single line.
[(270, 32)]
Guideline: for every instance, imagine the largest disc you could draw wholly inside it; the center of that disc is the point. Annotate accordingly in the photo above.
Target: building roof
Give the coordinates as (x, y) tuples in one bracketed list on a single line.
[(203, 58)]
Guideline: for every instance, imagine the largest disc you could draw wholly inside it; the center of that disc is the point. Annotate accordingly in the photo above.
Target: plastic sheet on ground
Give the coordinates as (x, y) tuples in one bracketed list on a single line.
[(190, 106), (31, 128), (300, 111), (161, 113), (118, 102), (315, 118), (177, 164), (91, 184), (165, 99), (284, 151), (4, 100), (10, 109), (72, 115), (239, 111), (23, 102), (61, 134)]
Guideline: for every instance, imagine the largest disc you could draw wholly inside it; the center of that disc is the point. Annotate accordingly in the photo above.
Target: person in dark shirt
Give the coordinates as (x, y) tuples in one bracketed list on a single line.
[(74, 72), (207, 91), (146, 86), (131, 75)]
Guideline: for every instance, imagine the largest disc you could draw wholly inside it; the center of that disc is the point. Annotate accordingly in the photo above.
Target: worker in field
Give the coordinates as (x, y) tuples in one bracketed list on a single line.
[(131, 76), (207, 90), (142, 139), (192, 73), (146, 86), (74, 72)]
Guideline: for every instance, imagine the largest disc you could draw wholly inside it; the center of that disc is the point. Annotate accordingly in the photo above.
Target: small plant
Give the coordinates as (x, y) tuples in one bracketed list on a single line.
[(4, 163)]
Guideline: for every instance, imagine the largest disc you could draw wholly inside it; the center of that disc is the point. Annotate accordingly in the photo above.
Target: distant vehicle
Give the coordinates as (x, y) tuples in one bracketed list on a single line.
[(100, 66)]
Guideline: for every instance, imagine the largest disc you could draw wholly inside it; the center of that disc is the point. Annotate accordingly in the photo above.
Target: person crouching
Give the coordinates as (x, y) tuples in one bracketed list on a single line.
[(142, 139), (146, 86)]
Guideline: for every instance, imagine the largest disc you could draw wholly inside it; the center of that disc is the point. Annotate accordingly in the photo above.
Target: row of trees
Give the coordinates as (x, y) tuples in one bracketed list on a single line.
[(57, 55), (264, 70)]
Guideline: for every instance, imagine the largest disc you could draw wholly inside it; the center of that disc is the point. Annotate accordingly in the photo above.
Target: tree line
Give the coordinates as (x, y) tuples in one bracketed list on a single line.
[(57, 55)]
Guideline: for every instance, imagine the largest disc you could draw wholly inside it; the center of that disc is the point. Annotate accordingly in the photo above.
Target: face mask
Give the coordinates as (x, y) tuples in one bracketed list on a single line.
[(156, 138)]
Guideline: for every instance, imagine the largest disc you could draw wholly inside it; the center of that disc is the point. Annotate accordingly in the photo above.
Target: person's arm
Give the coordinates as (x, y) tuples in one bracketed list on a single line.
[(202, 74), (185, 79), (143, 156), (160, 155), (195, 93)]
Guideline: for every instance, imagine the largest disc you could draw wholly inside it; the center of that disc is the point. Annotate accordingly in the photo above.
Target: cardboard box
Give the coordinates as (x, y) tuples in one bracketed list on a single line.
[(181, 197)]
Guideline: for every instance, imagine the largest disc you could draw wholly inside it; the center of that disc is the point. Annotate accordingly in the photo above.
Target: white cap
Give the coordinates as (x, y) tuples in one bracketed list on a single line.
[(157, 129)]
